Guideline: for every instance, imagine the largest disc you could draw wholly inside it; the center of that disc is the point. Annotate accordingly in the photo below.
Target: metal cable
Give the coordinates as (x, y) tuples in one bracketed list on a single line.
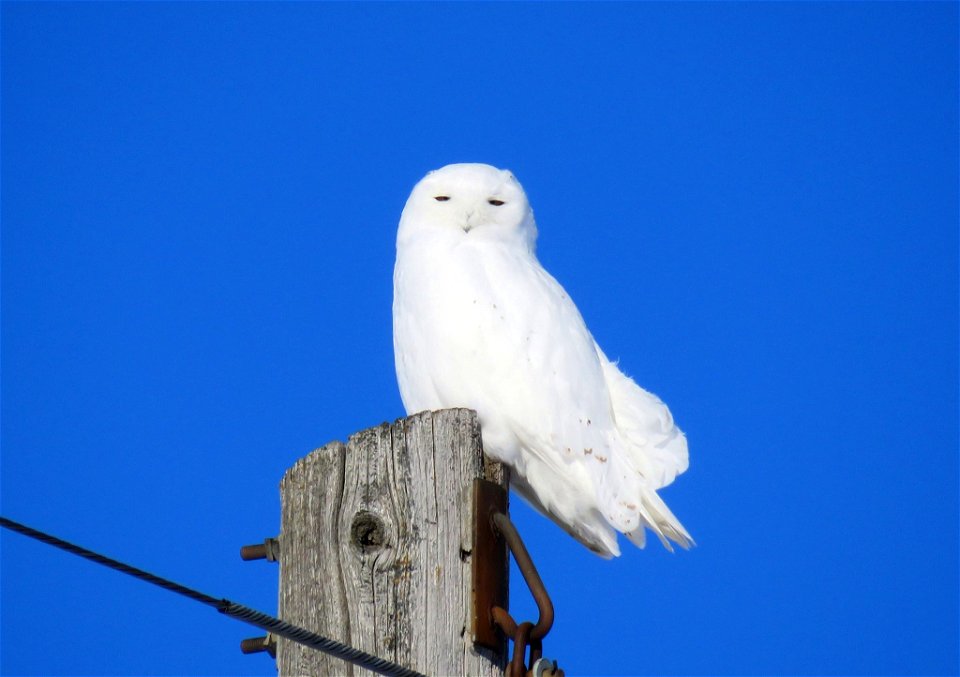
[(240, 612), (318, 642), (111, 563)]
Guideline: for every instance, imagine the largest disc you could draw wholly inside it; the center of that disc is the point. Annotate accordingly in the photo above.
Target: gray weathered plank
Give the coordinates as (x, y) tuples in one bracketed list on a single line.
[(375, 547)]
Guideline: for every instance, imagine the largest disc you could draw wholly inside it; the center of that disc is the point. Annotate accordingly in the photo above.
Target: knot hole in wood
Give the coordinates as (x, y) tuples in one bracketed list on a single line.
[(368, 533)]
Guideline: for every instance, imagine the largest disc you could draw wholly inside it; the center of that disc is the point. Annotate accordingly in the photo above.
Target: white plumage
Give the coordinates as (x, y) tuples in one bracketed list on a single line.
[(479, 323)]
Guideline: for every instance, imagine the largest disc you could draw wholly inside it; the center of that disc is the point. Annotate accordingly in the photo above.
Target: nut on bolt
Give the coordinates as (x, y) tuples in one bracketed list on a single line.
[(544, 667), (268, 550)]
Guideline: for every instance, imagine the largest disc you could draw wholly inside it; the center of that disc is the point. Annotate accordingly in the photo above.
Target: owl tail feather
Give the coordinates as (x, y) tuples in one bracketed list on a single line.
[(661, 521)]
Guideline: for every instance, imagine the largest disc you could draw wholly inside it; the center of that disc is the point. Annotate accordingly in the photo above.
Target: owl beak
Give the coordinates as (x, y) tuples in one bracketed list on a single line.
[(471, 222)]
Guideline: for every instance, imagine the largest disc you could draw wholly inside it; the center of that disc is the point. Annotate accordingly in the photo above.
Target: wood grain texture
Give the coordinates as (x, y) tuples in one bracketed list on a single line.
[(375, 547)]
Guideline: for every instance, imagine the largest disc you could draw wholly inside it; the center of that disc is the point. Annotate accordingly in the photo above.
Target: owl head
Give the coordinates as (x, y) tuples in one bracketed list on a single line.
[(469, 201)]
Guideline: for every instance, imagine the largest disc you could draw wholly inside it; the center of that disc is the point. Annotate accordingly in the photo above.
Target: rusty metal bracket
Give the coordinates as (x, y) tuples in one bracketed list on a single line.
[(493, 533), (489, 561)]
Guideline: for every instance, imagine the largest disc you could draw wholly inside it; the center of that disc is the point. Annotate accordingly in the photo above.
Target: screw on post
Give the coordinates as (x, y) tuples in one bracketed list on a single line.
[(268, 550), (266, 643)]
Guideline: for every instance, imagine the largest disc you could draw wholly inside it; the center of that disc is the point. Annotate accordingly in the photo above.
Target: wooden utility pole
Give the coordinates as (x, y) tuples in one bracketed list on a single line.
[(376, 547)]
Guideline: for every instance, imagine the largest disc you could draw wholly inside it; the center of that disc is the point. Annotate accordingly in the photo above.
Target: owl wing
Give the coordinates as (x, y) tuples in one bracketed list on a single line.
[(489, 329), (545, 406), (655, 443), (595, 445)]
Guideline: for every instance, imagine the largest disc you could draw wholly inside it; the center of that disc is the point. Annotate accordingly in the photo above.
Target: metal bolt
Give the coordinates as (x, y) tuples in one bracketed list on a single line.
[(268, 550), (266, 643)]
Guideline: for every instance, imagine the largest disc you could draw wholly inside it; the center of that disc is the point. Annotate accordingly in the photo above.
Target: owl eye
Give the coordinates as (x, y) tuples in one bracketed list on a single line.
[(495, 203), (442, 198)]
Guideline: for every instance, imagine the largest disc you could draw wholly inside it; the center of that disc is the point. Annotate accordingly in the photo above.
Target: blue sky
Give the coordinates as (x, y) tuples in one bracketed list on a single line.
[(754, 206)]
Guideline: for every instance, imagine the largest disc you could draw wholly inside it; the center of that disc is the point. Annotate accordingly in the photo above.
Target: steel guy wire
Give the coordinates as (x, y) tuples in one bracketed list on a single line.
[(240, 612)]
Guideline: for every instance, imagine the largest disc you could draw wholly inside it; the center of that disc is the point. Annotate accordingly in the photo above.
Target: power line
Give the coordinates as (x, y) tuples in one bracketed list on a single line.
[(240, 612)]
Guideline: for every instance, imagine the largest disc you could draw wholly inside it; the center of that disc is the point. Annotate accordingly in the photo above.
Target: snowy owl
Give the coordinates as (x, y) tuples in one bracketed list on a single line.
[(478, 323)]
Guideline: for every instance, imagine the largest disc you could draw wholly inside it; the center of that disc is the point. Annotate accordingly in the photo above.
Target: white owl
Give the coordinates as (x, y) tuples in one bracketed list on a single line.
[(478, 323)]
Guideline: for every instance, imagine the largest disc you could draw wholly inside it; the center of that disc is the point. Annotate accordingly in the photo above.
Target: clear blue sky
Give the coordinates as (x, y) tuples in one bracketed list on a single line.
[(754, 206)]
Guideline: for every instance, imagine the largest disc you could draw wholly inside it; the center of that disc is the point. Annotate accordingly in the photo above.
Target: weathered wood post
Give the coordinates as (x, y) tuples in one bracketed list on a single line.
[(376, 547)]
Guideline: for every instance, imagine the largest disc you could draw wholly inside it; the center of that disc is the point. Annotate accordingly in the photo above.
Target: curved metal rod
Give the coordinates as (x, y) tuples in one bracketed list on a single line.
[(503, 524)]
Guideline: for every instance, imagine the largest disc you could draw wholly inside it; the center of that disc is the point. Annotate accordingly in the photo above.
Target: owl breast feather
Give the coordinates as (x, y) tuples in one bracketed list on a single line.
[(486, 327)]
